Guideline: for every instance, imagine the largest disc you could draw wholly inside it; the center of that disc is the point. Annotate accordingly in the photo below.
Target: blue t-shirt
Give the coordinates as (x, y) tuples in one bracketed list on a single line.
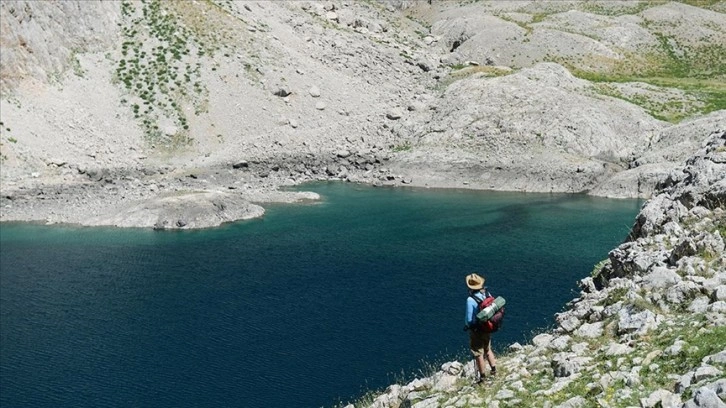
[(472, 305)]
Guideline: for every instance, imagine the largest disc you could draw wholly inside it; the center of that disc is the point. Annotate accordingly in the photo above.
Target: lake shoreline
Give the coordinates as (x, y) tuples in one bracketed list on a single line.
[(140, 198)]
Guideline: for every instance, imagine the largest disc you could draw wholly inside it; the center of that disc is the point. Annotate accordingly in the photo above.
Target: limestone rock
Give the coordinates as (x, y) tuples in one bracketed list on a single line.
[(705, 398), (542, 340), (617, 349), (590, 330), (574, 402), (637, 323), (660, 278), (394, 114), (566, 364), (200, 209), (661, 398), (705, 372)]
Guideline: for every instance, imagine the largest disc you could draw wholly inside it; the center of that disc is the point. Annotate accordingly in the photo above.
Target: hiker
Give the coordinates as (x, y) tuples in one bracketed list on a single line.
[(479, 340)]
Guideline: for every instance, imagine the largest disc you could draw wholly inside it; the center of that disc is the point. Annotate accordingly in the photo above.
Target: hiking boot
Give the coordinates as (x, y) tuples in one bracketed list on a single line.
[(480, 381)]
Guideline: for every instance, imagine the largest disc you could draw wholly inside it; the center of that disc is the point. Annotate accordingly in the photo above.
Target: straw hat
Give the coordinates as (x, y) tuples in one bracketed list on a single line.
[(474, 281)]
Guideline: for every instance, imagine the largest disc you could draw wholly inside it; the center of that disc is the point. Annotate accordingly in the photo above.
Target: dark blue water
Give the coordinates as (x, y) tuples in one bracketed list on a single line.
[(309, 306)]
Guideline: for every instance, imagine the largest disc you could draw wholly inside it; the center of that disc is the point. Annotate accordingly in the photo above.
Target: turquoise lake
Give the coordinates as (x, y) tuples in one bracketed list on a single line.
[(311, 305)]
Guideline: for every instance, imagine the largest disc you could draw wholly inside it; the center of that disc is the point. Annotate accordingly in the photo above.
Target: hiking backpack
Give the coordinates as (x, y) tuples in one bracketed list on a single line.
[(489, 313)]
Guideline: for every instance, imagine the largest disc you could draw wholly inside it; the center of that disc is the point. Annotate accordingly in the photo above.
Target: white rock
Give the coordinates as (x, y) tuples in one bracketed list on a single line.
[(717, 307), (452, 368), (675, 349), (618, 349), (590, 330), (704, 372), (719, 293), (394, 114), (560, 343), (705, 398), (718, 358), (660, 278), (569, 324), (574, 402), (504, 394), (661, 398), (542, 340)]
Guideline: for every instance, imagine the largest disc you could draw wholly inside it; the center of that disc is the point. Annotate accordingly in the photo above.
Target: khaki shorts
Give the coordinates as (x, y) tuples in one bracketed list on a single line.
[(479, 342)]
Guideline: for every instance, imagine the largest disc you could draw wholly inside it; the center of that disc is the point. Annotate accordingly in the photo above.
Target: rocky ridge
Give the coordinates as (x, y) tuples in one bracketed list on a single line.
[(648, 329)]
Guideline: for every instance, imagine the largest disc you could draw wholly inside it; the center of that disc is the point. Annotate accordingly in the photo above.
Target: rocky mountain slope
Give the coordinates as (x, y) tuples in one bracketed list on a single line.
[(648, 329), (111, 106), (188, 114)]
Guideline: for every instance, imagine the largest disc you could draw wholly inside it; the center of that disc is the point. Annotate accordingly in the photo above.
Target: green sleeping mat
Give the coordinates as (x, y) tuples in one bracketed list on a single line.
[(489, 311)]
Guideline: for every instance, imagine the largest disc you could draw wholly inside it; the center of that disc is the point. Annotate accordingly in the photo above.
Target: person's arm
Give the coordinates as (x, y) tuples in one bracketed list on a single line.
[(470, 309)]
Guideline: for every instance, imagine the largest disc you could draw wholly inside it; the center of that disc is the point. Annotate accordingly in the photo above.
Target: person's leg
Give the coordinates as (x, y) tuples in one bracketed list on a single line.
[(489, 354), (480, 364), (492, 361), (478, 350)]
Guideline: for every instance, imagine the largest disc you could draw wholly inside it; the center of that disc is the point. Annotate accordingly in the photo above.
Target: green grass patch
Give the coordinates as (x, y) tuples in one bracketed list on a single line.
[(699, 343), (403, 147), (721, 228), (617, 8), (598, 267), (710, 93), (460, 70)]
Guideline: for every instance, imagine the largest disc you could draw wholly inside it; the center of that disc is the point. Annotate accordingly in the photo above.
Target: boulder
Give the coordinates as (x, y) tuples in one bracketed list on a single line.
[(617, 349), (684, 382), (718, 358), (705, 398), (719, 294), (568, 323), (574, 402), (705, 372), (452, 368), (682, 292), (636, 323), (197, 209), (660, 278), (590, 330), (394, 114), (542, 340), (565, 364), (282, 92), (242, 164), (661, 399), (560, 343)]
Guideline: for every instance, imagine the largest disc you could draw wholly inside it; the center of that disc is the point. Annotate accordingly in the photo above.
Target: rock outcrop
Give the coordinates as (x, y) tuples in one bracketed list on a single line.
[(196, 209), (648, 329)]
